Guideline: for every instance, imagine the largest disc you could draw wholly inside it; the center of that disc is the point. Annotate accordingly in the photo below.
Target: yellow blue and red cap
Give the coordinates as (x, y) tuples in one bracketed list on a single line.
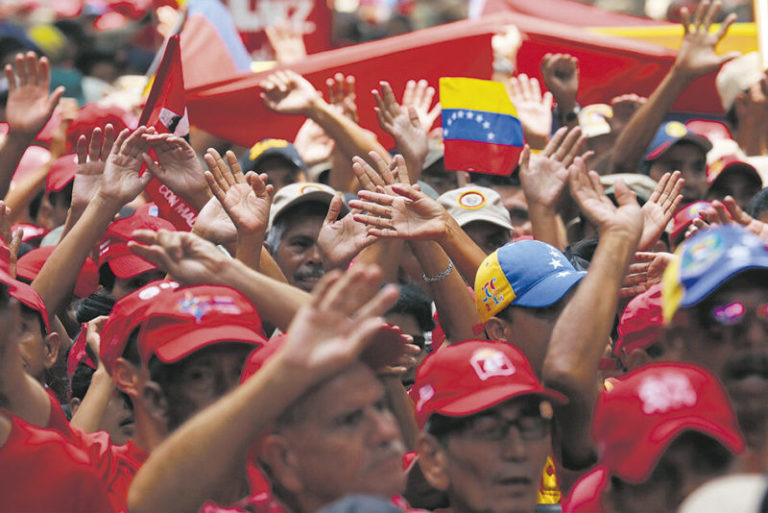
[(527, 273), (706, 261)]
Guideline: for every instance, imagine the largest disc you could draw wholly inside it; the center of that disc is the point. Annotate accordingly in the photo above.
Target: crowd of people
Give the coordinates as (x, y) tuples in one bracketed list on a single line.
[(351, 328)]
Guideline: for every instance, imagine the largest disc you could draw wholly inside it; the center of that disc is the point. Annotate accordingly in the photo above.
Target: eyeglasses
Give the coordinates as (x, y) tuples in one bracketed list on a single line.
[(735, 313), (494, 428)]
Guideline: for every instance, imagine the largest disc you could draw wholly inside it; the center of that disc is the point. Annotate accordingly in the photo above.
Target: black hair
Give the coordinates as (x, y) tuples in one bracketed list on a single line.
[(732, 118), (414, 302), (106, 276), (486, 180), (62, 197), (284, 219), (759, 203)]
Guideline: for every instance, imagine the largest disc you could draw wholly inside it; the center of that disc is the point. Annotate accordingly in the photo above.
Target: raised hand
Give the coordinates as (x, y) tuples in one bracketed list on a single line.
[(544, 176), (29, 105), (419, 95), (403, 123), (331, 332), (644, 272), (697, 53), (287, 41), (190, 259), (341, 93), (177, 167), (660, 208), (214, 224), (313, 144), (340, 240), (405, 213), (533, 109), (120, 181), (384, 177), (91, 159), (287, 92), (560, 73), (588, 192), (246, 199), (729, 204), (624, 107)]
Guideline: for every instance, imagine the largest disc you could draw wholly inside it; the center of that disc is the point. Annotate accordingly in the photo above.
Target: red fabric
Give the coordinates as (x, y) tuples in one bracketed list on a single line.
[(166, 98), (234, 111), (495, 159), (587, 494), (115, 465), (34, 459), (202, 45), (569, 12)]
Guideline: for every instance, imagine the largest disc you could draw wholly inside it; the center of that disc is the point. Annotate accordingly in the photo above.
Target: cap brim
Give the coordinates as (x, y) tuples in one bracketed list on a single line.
[(699, 140), (316, 195), (488, 397), (549, 290), (128, 266), (738, 167), (637, 466), (472, 217), (191, 341), (710, 281)]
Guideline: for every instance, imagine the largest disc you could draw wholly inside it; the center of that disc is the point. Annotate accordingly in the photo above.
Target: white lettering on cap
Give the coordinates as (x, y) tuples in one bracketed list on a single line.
[(425, 394), (489, 363), (666, 392)]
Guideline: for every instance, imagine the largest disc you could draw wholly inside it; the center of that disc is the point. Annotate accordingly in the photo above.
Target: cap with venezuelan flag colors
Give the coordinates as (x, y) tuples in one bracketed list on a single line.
[(525, 273), (481, 130), (706, 261)]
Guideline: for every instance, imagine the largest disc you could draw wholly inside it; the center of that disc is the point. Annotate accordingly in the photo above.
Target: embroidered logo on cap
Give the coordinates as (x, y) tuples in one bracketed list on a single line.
[(702, 254), (154, 290), (490, 292), (310, 188), (262, 146), (676, 129), (425, 394), (661, 394), (199, 306), (472, 200), (489, 363)]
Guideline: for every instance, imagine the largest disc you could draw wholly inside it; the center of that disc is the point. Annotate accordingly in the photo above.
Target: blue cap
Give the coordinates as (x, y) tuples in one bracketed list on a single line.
[(706, 261), (525, 273), (671, 133)]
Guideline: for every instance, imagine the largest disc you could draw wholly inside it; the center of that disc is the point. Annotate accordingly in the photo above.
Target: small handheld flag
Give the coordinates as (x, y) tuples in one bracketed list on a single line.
[(481, 131)]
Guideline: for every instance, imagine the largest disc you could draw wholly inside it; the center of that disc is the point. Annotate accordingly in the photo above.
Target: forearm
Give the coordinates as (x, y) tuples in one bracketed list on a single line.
[(638, 134), (384, 253), (269, 268), (91, 409), (462, 250), (10, 155), (248, 249), (348, 136), (341, 177), (188, 467), (56, 279), (455, 305), (547, 226), (402, 407), (275, 301)]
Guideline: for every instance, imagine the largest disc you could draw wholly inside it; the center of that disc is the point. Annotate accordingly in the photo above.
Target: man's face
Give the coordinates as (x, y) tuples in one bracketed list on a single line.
[(691, 161), (298, 254), (735, 184), (279, 171), (346, 440), (124, 286), (204, 377), (495, 463), (488, 236), (32, 346), (728, 334)]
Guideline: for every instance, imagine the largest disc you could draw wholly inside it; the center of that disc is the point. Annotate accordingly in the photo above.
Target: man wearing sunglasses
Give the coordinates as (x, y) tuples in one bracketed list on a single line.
[(486, 426), (715, 304)]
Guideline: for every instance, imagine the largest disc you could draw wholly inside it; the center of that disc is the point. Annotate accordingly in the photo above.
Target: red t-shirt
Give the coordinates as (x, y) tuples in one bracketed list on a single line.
[(42, 471), (115, 464)]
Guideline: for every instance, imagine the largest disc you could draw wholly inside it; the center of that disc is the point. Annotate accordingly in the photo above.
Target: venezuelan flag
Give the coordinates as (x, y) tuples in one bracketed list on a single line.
[(481, 131)]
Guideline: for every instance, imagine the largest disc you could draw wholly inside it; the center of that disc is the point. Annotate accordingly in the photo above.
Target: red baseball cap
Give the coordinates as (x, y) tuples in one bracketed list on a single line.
[(472, 376), (686, 215), (113, 248), (34, 158), (191, 318), (729, 164), (95, 115), (639, 415), (29, 265), (587, 494), (62, 172), (27, 296), (641, 322), (126, 315), (29, 232), (78, 353), (385, 348)]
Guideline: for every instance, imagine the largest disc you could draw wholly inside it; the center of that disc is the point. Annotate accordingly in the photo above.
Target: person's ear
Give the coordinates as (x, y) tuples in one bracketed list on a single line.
[(126, 378), (433, 462), (74, 404), (155, 402), (283, 463), (637, 358), (498, 329), (51, 344)]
